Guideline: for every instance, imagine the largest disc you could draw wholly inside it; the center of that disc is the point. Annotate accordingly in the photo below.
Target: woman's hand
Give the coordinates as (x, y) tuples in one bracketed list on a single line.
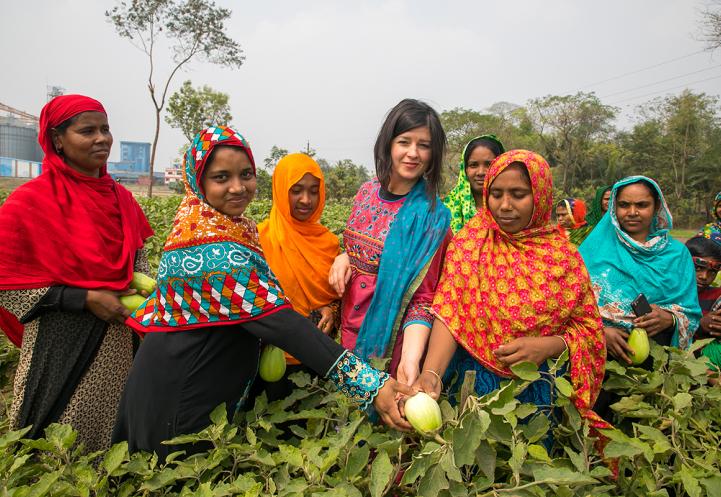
[(655, 321), (327, 319), (340, 273), (616, 343), (105, 305), (429, 383), (711, 323), (531, 349), (387, 407), (408, 371)]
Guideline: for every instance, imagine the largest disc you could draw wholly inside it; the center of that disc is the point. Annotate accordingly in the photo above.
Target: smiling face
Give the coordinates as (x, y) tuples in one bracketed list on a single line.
[(478, 163), (510, 199), (228, 180), (635, 210), (410, 157), (85, 144), (304, 197)]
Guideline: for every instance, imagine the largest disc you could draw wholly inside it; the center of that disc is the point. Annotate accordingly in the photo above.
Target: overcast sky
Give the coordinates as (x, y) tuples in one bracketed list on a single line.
[(328, 71)]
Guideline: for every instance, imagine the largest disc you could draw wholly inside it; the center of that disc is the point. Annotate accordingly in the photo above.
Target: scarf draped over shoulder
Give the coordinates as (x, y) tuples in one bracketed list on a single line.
[(300, 253), (67, 228), (496, 287), (212, 271), (661, 268)]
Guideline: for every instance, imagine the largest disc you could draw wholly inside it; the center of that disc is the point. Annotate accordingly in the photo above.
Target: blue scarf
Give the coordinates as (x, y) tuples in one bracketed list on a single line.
[(412, 241), (662, 269)]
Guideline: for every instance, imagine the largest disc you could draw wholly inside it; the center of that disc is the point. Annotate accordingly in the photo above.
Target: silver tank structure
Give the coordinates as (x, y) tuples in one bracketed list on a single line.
[(19, 140)]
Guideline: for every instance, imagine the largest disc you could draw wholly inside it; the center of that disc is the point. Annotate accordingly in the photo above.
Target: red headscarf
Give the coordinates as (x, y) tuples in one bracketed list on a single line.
[(496, 287), (66, 228)]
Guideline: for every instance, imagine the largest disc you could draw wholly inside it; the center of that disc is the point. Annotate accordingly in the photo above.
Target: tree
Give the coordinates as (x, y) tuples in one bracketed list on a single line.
[(676, 137), (711, 26), (192, 109), (568, 126), (276, 153), (343, 179), (195, 29)]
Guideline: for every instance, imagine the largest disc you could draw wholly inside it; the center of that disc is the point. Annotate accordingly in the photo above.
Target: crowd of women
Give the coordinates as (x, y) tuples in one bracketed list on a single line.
[(479, 281)]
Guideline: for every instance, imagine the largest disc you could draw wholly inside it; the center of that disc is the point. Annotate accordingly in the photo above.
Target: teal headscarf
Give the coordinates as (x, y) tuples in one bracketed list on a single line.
[(460, 200), (413, 239), (661, 268)]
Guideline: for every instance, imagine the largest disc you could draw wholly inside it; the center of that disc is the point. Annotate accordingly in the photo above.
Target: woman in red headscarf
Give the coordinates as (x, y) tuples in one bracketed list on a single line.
[(513, 289), (571, 217), (71, 240)]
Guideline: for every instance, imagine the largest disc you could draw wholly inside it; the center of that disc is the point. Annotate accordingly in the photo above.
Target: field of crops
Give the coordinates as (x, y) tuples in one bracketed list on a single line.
[(667, 440)]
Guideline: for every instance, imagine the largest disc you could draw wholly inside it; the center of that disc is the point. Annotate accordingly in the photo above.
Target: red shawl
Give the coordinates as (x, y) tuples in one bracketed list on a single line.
[(66, 228)]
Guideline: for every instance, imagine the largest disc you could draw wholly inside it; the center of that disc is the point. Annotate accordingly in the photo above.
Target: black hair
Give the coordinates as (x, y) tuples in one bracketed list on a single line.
[(409, 114), (700, 246), (651, 188), (491, 145), (63, 126)]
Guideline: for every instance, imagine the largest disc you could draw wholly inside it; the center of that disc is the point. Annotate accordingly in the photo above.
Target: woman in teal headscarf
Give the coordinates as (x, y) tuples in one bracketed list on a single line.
[(467, 196), (630, 252)]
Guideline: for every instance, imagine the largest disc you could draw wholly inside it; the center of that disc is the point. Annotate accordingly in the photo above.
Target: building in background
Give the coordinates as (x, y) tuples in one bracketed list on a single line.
[(134, 157)]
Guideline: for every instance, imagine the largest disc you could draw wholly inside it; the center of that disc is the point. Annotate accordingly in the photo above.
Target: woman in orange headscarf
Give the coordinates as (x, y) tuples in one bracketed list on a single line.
[(300, 250), (514, 289)]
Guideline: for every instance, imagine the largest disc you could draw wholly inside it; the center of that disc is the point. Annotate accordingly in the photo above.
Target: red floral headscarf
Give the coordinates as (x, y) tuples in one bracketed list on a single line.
[(497, 286)]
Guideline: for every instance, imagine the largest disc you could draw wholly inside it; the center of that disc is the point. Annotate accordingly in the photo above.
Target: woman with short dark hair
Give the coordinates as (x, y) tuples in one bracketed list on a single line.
[(395, 241)]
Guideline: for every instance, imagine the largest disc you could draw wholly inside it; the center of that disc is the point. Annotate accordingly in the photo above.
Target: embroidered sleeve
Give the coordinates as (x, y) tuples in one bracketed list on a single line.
[(356, 379), (418, 313)]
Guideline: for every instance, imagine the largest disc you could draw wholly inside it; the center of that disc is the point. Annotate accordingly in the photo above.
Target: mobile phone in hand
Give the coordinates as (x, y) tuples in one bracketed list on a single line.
[(641, 306)]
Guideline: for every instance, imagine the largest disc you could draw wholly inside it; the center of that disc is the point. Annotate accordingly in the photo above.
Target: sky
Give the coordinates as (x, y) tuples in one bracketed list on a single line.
[(327, 72)]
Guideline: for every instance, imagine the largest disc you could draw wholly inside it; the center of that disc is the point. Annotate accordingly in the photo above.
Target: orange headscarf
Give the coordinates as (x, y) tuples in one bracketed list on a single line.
[(497, 286), (300, 253)]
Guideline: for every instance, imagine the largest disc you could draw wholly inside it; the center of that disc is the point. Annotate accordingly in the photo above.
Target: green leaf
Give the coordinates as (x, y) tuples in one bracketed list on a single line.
[(161, 479), (418, 467), (539, 452), (536, 428), (61, 436), (562, 476), (563, 386), (468, 387), (433, 482), (518, 457), (290, 454), (681, 401), (42, 486), (11, 437), (690, 483), (526, 371), (381, 473), (115, 456), (357, 460), (486, 459), (712, 485), (620, 449), (219, 416), (466, 439), (448, 465)]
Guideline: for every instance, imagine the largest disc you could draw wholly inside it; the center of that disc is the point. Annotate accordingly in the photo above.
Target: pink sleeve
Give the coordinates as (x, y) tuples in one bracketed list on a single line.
[(419, 308)]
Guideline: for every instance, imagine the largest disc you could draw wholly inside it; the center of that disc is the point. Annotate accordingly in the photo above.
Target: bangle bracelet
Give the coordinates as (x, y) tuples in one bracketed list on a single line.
[(564, 341), (434, 374)]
